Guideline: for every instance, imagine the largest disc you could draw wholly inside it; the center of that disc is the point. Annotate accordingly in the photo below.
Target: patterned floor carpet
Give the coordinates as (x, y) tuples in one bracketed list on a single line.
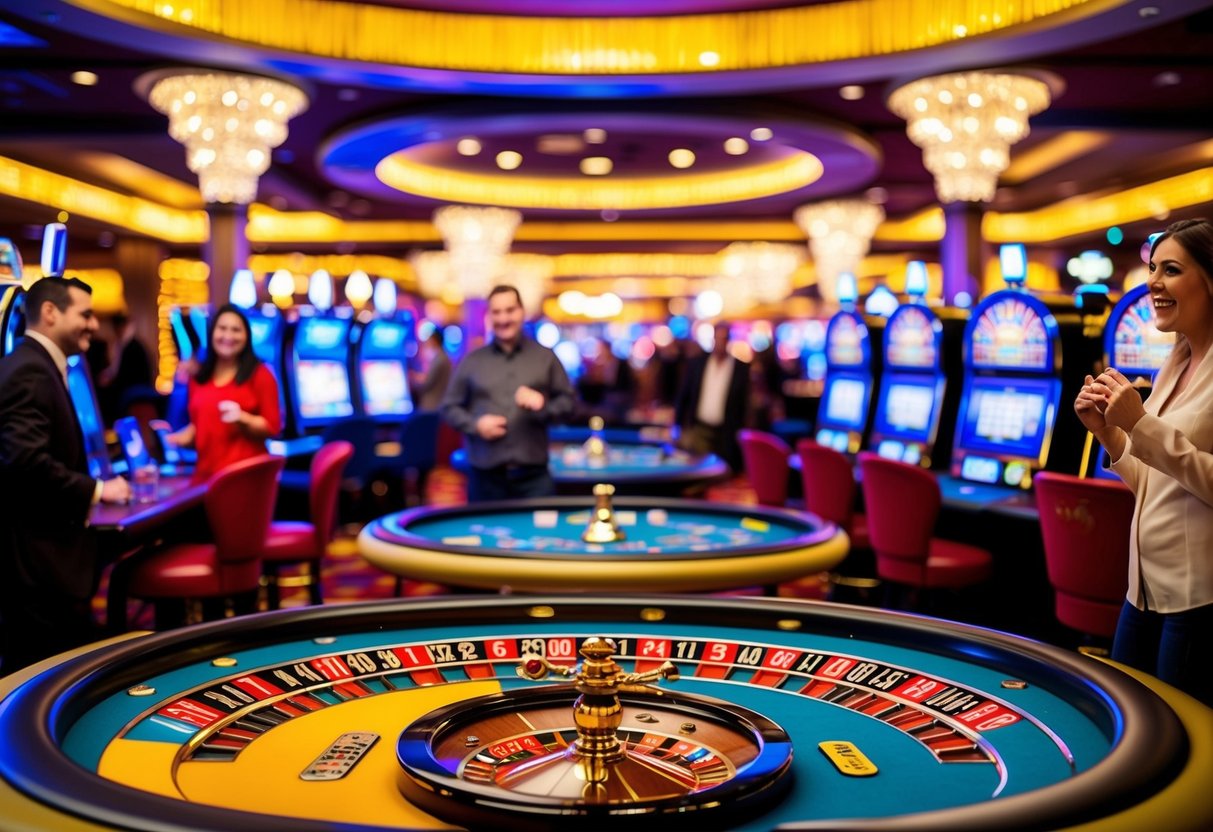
[(348, 578)]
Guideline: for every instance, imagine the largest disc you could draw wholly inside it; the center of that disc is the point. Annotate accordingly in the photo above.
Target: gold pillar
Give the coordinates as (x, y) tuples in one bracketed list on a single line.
[(226, 249), (138, 260)]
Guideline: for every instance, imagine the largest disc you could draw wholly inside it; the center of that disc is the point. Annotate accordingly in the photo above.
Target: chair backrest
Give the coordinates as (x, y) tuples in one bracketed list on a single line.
[(1085, 525), (327, 467), (240, 504), (829, 482), (419, 440), (766, 464), (902, 503), (360, 433)]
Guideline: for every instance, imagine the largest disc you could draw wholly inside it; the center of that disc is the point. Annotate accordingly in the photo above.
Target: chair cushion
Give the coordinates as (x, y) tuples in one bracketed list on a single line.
[(185, 570), (949, 564), (858, 532), (1097, 618), (291, 541)]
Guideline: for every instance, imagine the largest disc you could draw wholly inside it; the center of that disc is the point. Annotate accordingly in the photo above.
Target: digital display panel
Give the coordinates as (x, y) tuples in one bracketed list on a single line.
[(846, 339), (385, 336), (907, 407), (1012, 334), (324, 389), (845, 401), (130, 438), (385, 389), (1013, 261), (263, 331), (322, 335), (80, 388), (1009, 416), (912, 339), (1137, 344)]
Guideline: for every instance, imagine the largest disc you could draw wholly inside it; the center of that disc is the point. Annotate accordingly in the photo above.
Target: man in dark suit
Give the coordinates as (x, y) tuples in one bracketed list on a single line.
[(48, 568), (714, 400)]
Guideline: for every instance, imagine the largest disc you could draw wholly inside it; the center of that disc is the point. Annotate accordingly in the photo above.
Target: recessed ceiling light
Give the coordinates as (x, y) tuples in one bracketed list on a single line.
[(736, 146), (1147, 11), (509, 159), (1167, 79), (596, 165), (594, 135), (347, 94), (761, 134), (877, 195), (709, 58), (851, 92), (467, 146), (84, 78), (681, 158)]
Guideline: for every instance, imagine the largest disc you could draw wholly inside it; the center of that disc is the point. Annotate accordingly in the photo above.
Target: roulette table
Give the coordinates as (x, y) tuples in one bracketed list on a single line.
[(810, 716), (670, 545)]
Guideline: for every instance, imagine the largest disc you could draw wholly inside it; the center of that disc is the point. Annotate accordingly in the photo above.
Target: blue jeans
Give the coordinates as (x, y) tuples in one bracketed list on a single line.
[(1176, 647), (513, 483)]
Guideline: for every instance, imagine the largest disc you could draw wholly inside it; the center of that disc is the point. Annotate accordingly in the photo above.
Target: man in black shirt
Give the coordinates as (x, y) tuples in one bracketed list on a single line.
[(502, 397)]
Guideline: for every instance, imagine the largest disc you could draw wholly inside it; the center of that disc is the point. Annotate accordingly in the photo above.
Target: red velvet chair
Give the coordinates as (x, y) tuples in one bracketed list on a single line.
[(239, 503), (903, 503), (1085, 524), (829, 490), (766, 465), (291, 542)]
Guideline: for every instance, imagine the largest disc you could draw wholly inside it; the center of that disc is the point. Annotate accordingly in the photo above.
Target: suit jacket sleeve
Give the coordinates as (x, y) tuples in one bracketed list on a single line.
[(26, 431)]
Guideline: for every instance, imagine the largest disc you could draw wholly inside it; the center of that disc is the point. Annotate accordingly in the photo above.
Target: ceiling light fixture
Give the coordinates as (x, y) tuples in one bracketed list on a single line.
[(851, 92), (228, 124), (965, 123), (594, 135), (596, 165), (84, 78), (478, 239), (681, 158), (840, 233), (762, 134), (736, 146), (509, 159), (468, 146)]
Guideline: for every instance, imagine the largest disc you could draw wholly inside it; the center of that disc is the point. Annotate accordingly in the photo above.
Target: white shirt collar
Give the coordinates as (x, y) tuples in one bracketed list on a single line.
[(51, 347)]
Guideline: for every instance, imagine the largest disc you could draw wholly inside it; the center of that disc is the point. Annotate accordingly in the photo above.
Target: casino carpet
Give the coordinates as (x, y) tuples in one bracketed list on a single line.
[(348, 578)]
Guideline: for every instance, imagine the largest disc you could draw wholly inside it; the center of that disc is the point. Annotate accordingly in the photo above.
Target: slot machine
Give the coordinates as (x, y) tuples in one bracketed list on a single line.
[(914, 385), (846, 395), (317, 371), (1133, 345), (1012, 384), (12, 317), (380, 359)]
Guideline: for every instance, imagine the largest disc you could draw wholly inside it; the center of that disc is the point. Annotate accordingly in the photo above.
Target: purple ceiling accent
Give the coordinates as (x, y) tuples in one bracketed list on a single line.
[(595, 8), (637, 142)]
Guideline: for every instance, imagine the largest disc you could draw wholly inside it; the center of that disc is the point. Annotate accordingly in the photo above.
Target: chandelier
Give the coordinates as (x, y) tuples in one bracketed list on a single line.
[(228, 124), (840, 234), (965, 124), (762, 271), (434, 276), (529, 274), (477, 239)]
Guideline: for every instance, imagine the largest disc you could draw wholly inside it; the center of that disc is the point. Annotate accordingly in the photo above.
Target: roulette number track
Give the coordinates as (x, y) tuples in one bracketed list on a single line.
[(806, 715)]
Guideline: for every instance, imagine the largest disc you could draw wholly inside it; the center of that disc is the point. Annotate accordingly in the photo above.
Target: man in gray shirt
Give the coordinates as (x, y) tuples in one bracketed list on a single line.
[(502, 397)]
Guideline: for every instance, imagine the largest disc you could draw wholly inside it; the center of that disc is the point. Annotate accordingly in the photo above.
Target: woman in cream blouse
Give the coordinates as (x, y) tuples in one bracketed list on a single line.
[(1163, 450)]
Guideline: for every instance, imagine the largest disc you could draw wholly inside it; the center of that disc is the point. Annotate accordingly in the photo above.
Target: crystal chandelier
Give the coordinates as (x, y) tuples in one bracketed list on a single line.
[(228, 124), (529, 274), (762, 270), (478, 239), (965, 124), (840, 234), (434, 276)]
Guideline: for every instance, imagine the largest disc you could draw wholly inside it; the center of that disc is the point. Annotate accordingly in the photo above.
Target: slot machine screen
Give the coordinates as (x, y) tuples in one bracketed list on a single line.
[(324, 389), (130, 438), (1014, 333), (844, 402), (1136, 344), (912, 338), (385, 388), (1009, 416), (262, 331), (846, 338), (906, 408), (80, 388)]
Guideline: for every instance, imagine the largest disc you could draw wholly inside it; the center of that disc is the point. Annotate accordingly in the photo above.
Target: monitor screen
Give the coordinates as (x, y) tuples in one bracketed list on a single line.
[(322, 335), (912, 338), (324, 389), (384, 337), (385, 389), (1009, 415), (1137, 344), (1014, 331), (1013, 261), (846, 341), (845, 402), (80, 388), (130, 438), (907, 408), (264, 332)]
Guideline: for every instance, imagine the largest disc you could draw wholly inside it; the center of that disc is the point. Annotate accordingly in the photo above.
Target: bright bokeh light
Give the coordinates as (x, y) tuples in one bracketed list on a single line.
[(547, 334), (709, 304)]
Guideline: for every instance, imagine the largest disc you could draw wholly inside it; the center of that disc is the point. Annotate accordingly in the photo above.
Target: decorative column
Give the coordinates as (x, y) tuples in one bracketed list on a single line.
[(965, 124), (229, 125), (138, 260)]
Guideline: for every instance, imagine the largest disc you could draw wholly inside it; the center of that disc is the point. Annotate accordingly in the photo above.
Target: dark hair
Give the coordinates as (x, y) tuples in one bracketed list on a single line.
[(55, 290), (1195, 237), (502, 288), (246, 362)]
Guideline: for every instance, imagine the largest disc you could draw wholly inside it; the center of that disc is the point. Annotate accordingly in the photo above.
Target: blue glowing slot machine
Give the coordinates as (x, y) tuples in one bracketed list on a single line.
[(84, 399), (1133, 345), (842, 414), (1012, 385), (910, 401), (12, 317), (318, 372), (267, 329), (381, 369)]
